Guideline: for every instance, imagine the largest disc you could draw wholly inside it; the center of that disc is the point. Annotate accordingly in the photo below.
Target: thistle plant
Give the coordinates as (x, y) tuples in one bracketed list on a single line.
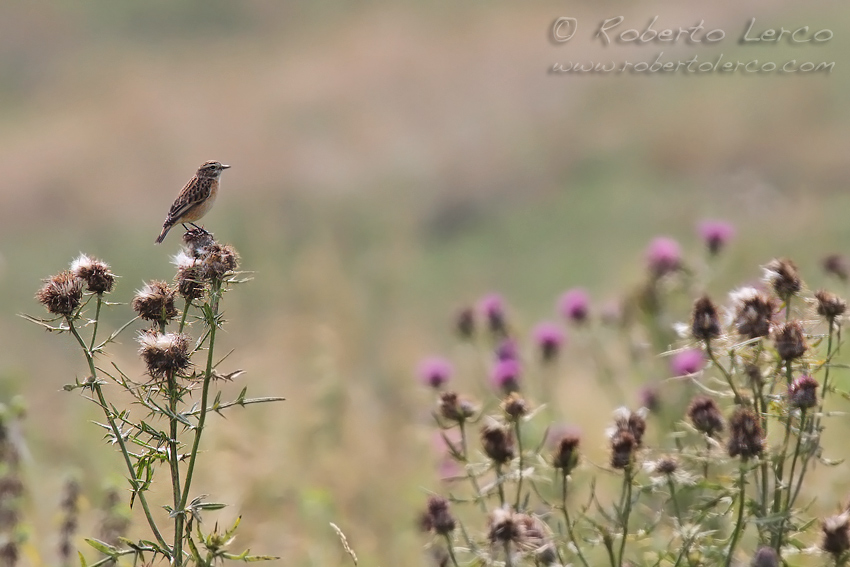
[(712, 470), (177, 325)]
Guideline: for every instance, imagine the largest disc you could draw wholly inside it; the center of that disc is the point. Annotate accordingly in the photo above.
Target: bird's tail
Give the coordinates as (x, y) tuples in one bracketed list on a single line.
[(165, 228)]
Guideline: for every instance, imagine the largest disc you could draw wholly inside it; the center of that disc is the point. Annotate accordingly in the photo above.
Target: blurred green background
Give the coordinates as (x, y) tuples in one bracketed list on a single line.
[(392, 162)]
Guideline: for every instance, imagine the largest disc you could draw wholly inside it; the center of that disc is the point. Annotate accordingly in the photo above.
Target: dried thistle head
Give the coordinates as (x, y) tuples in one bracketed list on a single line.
[(164, 353), (189, 280), (705, 324), (155, 301), (830, 306), (633, 422), (514, 406), (534, 537), (705, 415), (455, 408), (95, 273), (790, 340), (565, 456), (218, 261), (836, 534), (498, 442), (197, 241), (783, 277), (753, 312), (503, 526), (746, 437), (437, 517), (803, 392), (666, 466), (623, 447), (61, 294)]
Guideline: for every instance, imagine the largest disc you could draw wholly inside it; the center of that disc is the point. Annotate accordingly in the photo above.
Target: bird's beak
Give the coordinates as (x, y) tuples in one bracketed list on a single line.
[(224, 166)]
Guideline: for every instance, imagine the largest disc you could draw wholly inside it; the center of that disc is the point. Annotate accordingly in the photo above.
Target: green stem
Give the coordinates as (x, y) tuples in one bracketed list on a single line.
[(451, 550), (183, 316), (780, 468), (95, 385), (726, 374), (627, 509), (215, 296), (788, 496), (500, 484), (740, 521), (519, 471), (96, 321), (173, 460), (815, 421), (676, 509), (478, 496), (568, 522)]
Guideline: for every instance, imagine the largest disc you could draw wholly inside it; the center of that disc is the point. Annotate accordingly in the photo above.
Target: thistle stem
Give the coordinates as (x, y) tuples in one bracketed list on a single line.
[(726, 374), (519, 470), (96, 321), (740, 521), (134, 481), (451, 550), (478, 496), (626, 510), (676, 509), (215, 296), (173, 460), (568, 522)]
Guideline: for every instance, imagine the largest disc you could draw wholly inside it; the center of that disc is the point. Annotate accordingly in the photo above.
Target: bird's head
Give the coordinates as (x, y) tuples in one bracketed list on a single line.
[(211, 169)]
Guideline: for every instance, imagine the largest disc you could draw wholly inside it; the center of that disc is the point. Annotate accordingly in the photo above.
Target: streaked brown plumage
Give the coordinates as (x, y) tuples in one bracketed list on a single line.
[(196, 198)]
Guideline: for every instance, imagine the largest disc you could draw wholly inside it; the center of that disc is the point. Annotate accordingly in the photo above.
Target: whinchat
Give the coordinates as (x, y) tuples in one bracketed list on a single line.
[(195, 199)]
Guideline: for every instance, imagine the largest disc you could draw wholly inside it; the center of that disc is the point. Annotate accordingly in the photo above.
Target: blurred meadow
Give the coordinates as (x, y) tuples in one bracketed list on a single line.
[(391, 163)]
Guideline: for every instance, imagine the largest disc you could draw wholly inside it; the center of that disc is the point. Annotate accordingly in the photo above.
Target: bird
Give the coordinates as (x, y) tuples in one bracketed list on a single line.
[(195, 199)]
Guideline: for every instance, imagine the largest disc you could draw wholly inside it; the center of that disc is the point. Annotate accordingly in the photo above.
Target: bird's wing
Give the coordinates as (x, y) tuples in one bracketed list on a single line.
[(192, 194)]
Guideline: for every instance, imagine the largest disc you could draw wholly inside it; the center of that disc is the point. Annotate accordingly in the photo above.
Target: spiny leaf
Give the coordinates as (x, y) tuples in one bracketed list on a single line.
[(102, 547)]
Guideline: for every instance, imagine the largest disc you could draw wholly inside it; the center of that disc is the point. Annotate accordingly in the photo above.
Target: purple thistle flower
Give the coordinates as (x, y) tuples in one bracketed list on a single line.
[(507, 350), (716, 234), (663, 255), (574, 305), (505, 375), (687, 362), (549, 338), (435, 372), (493, 308)]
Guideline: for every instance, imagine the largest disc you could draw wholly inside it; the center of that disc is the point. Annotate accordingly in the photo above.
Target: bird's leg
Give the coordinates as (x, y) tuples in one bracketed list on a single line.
[(202, 229)]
